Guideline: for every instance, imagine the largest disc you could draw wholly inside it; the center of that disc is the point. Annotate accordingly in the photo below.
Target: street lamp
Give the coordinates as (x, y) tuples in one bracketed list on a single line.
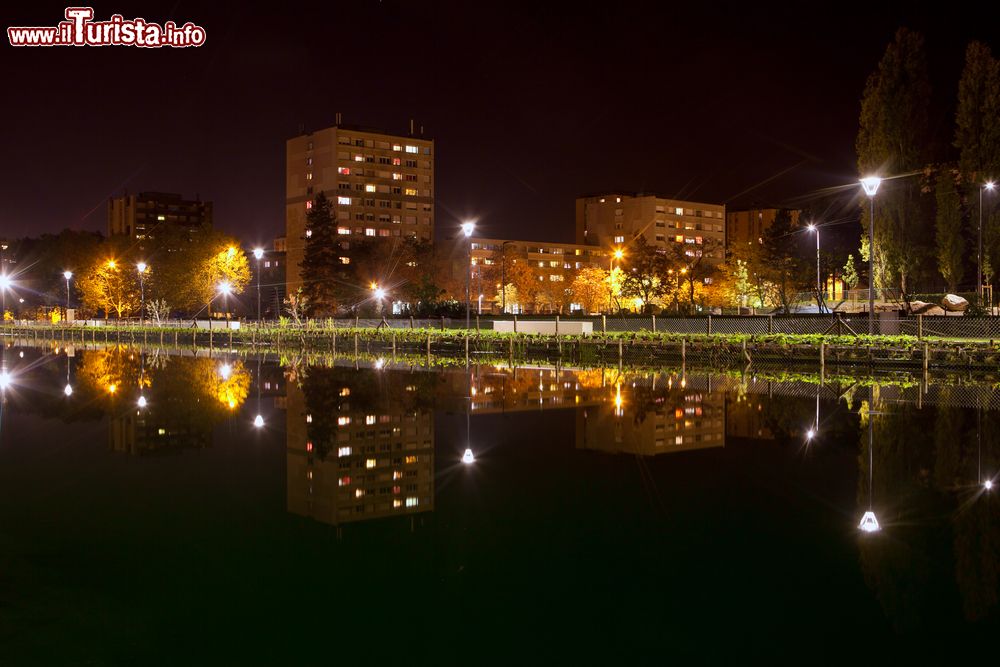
[(224, 289), (617, 254), (819, 285), (467, 228), (989, 185), (67, 275), (258, 253), (141, 266), (4, 286), (870, 184)]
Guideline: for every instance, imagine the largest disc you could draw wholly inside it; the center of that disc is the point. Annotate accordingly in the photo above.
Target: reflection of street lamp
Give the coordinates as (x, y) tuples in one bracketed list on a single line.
[(141, 266), (142, 401), (870, 184), (258, 253), (67, 275), (869, 523), (467, 228), (989, 185)]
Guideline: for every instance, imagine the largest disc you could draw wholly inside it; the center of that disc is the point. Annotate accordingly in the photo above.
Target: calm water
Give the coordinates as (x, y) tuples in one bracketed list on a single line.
[(606, 517)]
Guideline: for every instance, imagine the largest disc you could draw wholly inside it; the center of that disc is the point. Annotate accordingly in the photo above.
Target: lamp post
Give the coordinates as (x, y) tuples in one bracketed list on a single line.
[(989, 185), (224, 289), (870, 184), (467, 228), (141, 266), (819, 285), (503, 275), (617, 254), (258, 253), (67, 275), (4, 286)]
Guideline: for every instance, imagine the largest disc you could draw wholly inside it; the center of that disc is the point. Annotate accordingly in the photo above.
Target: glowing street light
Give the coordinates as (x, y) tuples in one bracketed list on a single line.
[(468, 456), (141, 266), (819, 285), (617, 254), (68, 390), (467, 228), (869, 523), (989, 185), (810, 434), (258, 253), (988, 484), (141, 402), (379, 294), (225, 289), (67, 275), (870, 185), (258, 421), (5, 379)]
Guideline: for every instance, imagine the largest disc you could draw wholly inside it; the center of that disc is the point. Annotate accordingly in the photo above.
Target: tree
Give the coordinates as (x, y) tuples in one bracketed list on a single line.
[(948, 229), (321, 261), (892, 139), (226, 264), (297, 304), (590, 289), (977, 118), (645, 272), (783, 259), (851, 278), (110, 287), (525, 282)]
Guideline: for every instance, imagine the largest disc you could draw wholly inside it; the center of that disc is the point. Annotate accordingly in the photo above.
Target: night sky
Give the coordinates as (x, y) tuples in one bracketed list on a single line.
[(530, 105)]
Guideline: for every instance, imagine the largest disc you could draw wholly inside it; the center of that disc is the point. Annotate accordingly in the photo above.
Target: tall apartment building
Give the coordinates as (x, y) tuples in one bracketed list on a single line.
[(142, 216), (380, 185), (614, 219), (272, 278), (748, 225)]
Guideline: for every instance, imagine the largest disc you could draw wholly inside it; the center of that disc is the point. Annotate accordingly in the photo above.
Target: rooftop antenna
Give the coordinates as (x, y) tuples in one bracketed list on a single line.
[(338, 118), (411, 127), (421, 130)]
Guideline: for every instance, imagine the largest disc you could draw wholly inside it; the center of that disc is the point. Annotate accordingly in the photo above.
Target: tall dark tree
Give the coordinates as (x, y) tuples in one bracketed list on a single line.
[(321, 260), (977, 119), (948, 229), (782, 258), (892, 141)]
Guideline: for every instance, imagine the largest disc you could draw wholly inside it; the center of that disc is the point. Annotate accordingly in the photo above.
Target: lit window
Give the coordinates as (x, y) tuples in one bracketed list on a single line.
[(370, 187), (343, 231), (411, 459), (679, 239), (309, 446), (679, 211), (309, 205), (396, 162), (309, 233), (344, 451), (369, 231), (396, 474), (161, 217), (619, 239), (309, 175), (396, 176), (412, 149), (412, 192), (359, 158), (369, 463), (344, 171), (309, 419), (697, 239), (412, 502), (343, 481), (359, 493), (397, 147), (345, 260), (344, 201), (343, 421), (267, 264), (369, 419), (384, 232), (346, 391), (397, 503)]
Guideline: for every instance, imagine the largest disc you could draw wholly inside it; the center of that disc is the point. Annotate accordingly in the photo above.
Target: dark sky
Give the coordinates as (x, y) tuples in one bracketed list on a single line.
[(530, 104)]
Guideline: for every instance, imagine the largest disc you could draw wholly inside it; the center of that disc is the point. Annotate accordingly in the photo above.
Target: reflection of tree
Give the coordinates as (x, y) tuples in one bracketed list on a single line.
[(110, 371), (977, 554)]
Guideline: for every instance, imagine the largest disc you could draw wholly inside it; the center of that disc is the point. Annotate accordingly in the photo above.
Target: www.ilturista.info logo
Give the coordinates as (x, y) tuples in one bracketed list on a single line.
[(79, 29)]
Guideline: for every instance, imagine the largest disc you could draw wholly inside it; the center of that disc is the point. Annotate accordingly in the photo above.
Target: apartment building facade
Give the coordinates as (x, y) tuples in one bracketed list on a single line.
[(615, 219), (748, 225), (380, 186), (144, 215)]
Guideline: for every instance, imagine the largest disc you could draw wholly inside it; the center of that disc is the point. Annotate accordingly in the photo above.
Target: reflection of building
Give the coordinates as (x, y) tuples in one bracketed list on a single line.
[(748, 225), (141, 216), (745, 418), (615, 219), (378, 462), (379, 185), (157, 429), (649, 422), (503, 390)]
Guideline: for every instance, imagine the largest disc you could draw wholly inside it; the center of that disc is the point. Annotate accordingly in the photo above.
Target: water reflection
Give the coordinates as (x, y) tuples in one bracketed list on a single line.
[(363, 442)]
